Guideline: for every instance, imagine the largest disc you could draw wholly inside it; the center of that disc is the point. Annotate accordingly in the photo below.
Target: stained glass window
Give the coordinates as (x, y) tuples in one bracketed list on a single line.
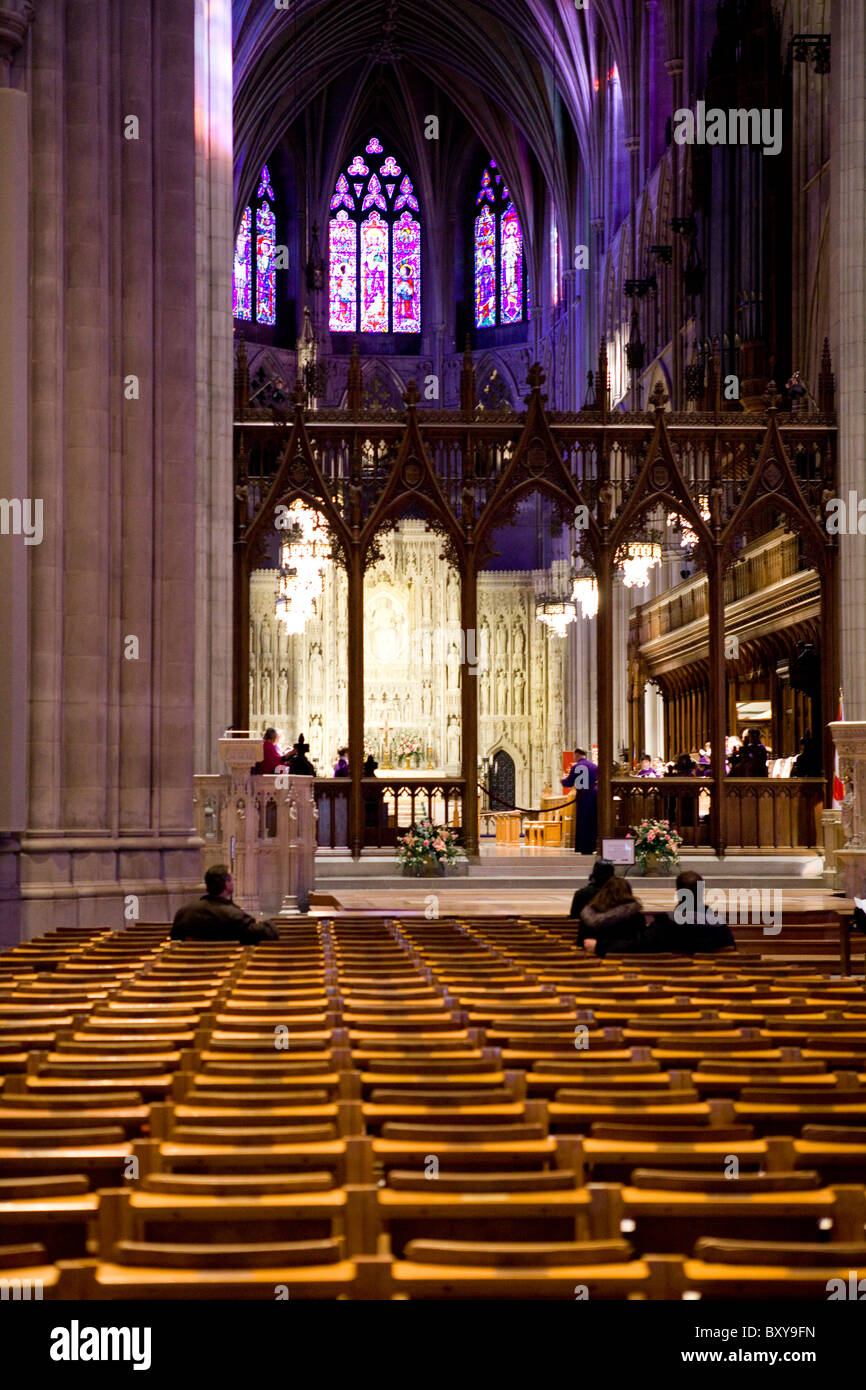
[(375, 275), (374, 247), (241, 297), (265, 251), (266, 274), (407, 275), (511, 266), (343, 313), (500, 288), (485, 269)]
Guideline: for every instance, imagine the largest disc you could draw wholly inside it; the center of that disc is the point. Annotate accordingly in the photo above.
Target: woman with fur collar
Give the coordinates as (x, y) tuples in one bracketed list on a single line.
[(614, 921)]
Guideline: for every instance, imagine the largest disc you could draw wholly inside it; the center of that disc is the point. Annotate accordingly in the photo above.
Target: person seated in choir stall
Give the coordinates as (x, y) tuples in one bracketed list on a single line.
[(646, 768), (215, 917), (341, 766), (809, 761), (370, 766), (602, 870), (299, 763), (272, 754), (755, 755), (583, 776)]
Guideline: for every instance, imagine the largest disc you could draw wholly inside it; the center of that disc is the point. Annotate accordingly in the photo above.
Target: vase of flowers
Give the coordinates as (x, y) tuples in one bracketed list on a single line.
[(426, 849), (655, 846), (407, 749)]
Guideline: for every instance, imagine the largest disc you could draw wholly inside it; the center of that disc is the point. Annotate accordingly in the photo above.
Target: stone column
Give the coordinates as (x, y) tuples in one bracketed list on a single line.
[(111, 387), (19, 507), (214, 374), (848, 272)]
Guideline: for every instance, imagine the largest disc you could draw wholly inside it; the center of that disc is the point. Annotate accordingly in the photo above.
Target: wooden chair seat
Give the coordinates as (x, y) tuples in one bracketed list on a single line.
[(550, 1180), (238, 1184), (91, 1280), (710, 1184), (416, 1279), (267, 1255)]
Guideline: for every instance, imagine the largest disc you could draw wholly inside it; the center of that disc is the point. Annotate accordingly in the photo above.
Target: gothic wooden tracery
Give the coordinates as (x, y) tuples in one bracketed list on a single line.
[(465, 472)]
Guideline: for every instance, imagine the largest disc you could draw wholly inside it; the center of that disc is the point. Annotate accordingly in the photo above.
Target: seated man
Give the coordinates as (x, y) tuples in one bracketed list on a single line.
[(214, 917), (693, 925)]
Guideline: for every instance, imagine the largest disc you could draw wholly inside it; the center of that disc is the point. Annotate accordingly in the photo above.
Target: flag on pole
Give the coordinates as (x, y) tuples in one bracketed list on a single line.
[(838, 784)]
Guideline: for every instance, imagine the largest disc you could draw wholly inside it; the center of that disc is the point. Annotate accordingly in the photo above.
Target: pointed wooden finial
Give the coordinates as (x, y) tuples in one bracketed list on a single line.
[(354, 383), (659, 397), (467, 383), (826, 382), (771, 397), (411, 395)]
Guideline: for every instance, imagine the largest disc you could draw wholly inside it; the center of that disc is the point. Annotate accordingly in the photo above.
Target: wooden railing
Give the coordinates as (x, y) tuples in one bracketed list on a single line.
[(684, 801), (761, 813), (332, 802), (391, 805), (773, 812)]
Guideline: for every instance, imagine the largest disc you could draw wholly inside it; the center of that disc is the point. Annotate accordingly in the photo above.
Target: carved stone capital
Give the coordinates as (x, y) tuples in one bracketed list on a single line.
[(14, 22)]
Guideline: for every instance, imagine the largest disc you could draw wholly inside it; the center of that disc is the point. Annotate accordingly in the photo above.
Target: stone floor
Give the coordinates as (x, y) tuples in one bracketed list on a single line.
[(540, 902)]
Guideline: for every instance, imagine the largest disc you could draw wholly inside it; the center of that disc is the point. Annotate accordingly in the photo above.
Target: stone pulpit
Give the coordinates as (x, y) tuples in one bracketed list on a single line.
[(263, 827)]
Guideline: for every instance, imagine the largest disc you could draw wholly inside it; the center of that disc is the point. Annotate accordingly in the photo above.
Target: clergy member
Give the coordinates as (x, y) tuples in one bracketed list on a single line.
[(583, 776)]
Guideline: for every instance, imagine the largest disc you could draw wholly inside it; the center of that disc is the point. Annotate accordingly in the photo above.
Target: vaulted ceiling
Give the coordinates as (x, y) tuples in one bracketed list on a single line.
[(519, 73)]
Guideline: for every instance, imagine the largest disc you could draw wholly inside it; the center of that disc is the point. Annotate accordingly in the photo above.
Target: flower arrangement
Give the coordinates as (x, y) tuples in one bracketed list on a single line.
[(407, 746), (655, 841), (426, 846)]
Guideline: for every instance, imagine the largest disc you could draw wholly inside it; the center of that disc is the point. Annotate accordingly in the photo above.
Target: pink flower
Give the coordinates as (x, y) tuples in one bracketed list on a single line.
[(439, 843)]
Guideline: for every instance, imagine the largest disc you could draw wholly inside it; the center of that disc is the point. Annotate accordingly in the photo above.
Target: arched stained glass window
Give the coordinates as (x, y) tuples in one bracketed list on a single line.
[(242, 273), (265, 252), (374, 247), (500, 281)]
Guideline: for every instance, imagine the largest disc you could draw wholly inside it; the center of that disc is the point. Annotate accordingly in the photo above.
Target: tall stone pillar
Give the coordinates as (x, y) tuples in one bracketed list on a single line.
[(848, 271), (98, 739), (214, 373), (19, 506)]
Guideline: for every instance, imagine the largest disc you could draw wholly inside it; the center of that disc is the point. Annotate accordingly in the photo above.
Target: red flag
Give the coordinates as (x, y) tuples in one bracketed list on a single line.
[(838, 784)]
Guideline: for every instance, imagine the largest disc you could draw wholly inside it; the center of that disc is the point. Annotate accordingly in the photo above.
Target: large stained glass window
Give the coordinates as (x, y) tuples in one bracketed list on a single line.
[(500, 280), (265, 253), (343, 313), (374, 247)]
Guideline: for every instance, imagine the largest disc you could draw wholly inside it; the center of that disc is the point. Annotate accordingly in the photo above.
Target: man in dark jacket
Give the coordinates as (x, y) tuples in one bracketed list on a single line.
[(693, 925), (215, 917)]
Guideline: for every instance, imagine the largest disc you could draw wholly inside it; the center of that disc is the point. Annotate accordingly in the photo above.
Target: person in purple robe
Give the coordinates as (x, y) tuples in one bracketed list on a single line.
[(583, 776)]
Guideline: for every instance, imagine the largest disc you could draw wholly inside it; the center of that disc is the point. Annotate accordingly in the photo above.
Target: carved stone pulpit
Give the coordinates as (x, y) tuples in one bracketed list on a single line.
[(263, 827)]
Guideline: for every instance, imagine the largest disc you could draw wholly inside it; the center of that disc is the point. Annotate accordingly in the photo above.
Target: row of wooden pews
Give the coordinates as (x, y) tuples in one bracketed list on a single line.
[(373, 1108)]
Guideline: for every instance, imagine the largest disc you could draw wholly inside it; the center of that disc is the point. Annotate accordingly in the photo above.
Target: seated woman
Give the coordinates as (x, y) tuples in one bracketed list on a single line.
[(602, 870), (614, 921), (341, 766)]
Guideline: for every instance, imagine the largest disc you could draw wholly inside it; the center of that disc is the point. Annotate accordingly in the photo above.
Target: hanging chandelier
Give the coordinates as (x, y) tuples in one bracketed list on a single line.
[(640, 558), (556, 614), (304, 551), (688, 537), (585, 593)]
